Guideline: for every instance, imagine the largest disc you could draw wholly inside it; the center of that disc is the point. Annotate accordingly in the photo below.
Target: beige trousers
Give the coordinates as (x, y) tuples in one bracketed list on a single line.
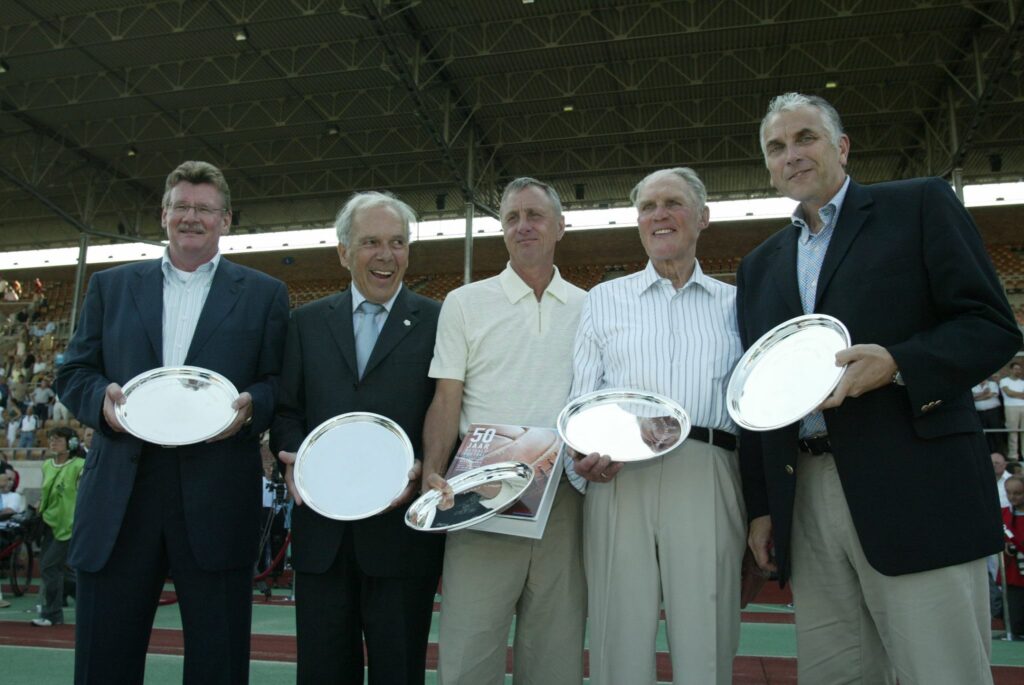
[(489, 577), (1014, 424), (855, 625), (666, 531)]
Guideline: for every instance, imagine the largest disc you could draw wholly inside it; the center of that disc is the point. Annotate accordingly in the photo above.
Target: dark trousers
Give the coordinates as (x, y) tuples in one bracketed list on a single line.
[(116, 605), (993, 418), (1015, 598), (335, 610), (51, 571)]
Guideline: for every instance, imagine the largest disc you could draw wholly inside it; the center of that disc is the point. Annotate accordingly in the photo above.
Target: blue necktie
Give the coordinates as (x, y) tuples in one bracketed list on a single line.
[(366, 333)]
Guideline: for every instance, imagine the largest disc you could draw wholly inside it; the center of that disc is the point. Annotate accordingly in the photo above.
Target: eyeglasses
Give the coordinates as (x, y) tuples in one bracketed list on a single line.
[(180, 209)]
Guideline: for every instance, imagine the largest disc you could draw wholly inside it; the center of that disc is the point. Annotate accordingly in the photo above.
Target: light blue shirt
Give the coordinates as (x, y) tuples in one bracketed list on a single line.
[(185, 294), (810, 255), (380, 317)]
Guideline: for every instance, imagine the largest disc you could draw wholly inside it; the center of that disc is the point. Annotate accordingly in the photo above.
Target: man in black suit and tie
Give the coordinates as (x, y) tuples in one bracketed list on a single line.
[(143, 509), (881, 507), (368, 349)]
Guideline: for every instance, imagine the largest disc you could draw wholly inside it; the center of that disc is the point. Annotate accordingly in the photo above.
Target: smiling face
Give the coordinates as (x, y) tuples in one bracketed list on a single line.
[(194, 233), (670, 221), (377, 254), (532, 227), (805, 165)]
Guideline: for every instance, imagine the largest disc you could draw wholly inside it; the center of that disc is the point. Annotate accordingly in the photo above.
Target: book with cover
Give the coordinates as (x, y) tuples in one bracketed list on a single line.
[(539, 447)]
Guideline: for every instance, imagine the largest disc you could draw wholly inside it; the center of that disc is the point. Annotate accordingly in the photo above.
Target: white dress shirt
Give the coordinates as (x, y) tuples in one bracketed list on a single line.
[(640, 332), (184, 296)]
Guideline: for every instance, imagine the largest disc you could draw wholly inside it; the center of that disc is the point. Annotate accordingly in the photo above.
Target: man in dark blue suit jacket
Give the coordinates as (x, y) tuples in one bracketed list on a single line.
[(374, 578), (882, 509), (144, 510)]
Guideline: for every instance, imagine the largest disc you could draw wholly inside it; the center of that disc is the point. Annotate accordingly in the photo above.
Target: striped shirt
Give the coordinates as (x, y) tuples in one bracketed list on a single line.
[(184, 296), (639, 332)]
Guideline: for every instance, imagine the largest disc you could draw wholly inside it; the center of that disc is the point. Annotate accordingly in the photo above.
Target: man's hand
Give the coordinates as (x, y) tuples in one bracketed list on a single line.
[(868, 367), (435, 481), (242, 405), (288, 459), (597, 468), (759, 539), (411, 487), (112, 397)]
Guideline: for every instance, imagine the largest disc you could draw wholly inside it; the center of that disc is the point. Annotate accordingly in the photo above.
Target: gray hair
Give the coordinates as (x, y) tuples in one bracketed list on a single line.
[(197, 173), (688, 175), (368, 200), (787, 102), (524, 182)]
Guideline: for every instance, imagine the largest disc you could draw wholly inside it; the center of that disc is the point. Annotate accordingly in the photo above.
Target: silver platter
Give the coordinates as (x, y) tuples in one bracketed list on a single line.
[(177, 405), (480, 493), (353, 466), (626, 425), (787, 373)]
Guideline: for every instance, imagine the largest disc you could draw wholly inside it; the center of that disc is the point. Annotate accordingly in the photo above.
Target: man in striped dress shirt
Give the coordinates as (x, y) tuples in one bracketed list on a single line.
[(671, 528)]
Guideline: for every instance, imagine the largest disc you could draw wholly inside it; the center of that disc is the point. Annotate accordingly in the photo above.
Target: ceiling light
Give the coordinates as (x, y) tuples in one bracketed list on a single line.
[(568, 107), (333, 130), (4, 67), (831, 84), (131, 151), (241, 35)]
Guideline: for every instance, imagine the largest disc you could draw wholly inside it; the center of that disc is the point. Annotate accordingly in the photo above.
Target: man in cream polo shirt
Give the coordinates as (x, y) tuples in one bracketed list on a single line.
[(504, 355)]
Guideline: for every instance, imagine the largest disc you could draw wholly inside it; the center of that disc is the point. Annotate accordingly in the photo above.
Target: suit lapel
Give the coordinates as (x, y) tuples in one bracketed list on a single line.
[(340, 324), (785, 272), (227, 285), (148, 294), (402, 318), (855, 211)]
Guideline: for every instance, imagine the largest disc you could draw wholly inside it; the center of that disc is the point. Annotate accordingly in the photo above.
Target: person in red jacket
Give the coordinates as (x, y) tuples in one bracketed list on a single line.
[(1013, 518)]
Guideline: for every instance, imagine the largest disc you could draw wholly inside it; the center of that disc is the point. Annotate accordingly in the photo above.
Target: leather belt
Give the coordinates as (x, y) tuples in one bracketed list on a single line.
[(716, 437), (815, 446)]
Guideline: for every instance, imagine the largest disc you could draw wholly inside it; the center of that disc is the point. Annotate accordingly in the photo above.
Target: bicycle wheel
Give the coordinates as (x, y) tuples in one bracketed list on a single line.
[(21, 568)]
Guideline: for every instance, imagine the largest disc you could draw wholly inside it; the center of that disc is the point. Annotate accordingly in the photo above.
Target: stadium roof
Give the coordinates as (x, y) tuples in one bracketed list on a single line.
[(443, 101)]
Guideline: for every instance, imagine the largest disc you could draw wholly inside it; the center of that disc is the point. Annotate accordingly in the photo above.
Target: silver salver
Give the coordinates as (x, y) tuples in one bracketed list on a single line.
[(626, 425), (177, 405), (480, 493), (787, 373), (353, 466)]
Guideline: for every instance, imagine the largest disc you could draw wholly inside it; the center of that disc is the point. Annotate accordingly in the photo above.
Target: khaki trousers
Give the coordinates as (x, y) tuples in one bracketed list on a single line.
[(855, 625), (489, 577), (1014, 423), (666, 531)]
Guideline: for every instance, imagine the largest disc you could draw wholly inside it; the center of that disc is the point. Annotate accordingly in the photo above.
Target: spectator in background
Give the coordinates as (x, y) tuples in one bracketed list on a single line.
[(990, 411), (28, 427), (1013, 406), (10, 502), (61, 473), (1013, 520), (41, 398), (12, 415), (999, 466)]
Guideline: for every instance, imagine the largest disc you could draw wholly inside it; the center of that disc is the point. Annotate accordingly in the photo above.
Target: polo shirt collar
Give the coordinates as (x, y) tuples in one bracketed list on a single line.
[(515, 288)]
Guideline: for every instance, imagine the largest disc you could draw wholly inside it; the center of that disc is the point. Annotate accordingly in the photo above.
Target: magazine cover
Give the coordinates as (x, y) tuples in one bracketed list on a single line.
[(538, 447)]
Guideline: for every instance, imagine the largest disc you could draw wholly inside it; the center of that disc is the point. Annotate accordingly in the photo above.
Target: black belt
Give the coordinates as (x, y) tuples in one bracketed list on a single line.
[(815, 446), (717, 437)]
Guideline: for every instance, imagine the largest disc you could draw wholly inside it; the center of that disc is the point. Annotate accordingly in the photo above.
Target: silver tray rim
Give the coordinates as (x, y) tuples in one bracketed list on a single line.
[(183, 372), (334, 422), (467, 480), (761, 346), (614, 395)]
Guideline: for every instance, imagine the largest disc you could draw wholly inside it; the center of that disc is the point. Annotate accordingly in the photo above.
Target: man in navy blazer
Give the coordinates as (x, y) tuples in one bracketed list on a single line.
[(375, 578), (881, 508), (193, 511)]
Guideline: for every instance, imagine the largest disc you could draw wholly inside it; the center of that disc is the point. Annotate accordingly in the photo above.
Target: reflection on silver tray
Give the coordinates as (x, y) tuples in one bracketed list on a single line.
[(788, 372), (626, 425), (177, 405), (352, 466), (480, 493)]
